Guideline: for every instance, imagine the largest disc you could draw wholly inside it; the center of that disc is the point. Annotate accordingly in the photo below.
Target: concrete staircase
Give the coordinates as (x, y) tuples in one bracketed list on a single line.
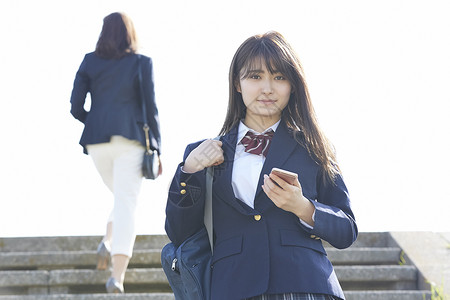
[(38, 268)]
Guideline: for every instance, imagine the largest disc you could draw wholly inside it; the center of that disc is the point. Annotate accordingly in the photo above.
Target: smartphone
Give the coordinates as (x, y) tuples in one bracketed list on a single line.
[(287, 176)]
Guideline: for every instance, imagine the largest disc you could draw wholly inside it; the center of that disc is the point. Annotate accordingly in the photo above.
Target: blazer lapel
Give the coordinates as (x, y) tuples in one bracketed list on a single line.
[(281, 148), (222, 187)]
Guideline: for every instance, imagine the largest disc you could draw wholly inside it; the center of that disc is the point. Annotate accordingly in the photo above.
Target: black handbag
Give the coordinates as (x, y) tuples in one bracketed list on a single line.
[(150, 163)]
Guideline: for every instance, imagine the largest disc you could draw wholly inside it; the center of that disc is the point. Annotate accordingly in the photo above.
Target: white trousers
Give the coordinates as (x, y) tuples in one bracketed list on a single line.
[(119, 163)]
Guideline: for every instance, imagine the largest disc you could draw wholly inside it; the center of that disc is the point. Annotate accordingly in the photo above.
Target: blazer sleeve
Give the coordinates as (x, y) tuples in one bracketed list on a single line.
[(79, 92), (185, 203), (334, 219), (152, 109)]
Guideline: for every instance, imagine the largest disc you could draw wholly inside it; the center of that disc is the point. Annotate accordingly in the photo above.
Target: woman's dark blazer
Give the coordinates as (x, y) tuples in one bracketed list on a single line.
[(116, 107), (265, 249)]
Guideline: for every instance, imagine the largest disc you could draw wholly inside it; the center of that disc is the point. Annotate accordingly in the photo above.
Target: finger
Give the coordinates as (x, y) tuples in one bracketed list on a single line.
[(270, 185), (271, 194), (216, 144), (219, 161), (297, 183), (281, 183), (267, 191), (219, 147)]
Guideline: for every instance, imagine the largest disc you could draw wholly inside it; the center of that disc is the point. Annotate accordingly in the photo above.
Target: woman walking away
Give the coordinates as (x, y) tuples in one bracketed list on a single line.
[(113, 134)]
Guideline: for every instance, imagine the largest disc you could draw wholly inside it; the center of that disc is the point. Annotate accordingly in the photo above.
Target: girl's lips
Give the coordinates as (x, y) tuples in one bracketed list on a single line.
[(267, 101)]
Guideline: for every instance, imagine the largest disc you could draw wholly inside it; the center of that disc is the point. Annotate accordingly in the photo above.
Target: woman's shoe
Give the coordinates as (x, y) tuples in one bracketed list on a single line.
[(114, 287), (103, 256)]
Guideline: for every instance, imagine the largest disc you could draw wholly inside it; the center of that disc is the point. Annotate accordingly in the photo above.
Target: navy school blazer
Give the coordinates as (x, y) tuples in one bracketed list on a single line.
[(265, 249), (116, 108)]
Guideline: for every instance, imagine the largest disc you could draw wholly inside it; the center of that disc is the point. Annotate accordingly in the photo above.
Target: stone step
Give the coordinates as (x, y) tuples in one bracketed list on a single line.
[(73, 243), (376, 273), (70, 259), (365, 256), (152, 258), (154, 279), (377, 277), (64, 268), (386, 295), (126, 296), (352, 295), (79, 281), (143, 242)]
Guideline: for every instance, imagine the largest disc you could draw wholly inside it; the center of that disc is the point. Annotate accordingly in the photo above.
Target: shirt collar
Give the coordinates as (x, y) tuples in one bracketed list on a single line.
[(242, 130)]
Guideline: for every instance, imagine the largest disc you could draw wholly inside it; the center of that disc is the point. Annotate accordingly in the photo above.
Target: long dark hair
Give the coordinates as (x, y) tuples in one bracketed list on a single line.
[(118, 37), (274, 51)]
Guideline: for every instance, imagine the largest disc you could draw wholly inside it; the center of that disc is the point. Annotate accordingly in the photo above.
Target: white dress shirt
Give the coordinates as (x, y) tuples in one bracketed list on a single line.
[(247, 168)]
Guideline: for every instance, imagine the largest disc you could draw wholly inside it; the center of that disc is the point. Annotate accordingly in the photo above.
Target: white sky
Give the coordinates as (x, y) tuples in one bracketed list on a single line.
[(378, 71)]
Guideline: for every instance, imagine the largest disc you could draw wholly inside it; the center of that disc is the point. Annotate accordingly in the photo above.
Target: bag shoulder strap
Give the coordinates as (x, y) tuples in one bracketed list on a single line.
[(208, 206), (208, 217), (141, 91), (146, 128)]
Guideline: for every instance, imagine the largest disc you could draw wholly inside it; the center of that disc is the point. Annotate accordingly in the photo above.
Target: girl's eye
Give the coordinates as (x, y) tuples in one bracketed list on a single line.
[(255, 76), (280, 77)]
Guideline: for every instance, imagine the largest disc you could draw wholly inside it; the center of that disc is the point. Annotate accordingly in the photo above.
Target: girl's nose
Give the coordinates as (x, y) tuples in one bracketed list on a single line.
[(267, 87)]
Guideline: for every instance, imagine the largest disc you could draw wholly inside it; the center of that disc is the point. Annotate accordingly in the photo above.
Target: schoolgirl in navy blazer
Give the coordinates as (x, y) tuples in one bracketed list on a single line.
[(263, 247)]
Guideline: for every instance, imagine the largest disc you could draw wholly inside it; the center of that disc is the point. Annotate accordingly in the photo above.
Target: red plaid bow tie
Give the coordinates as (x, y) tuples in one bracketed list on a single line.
[(257, 143)]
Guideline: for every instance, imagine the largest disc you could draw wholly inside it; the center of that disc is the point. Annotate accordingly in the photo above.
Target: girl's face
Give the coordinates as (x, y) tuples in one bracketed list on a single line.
[(265, 95)]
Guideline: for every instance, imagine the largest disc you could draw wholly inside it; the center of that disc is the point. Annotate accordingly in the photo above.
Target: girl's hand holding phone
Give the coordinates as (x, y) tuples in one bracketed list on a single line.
[(287, 176), (287, 194), (208, 153)]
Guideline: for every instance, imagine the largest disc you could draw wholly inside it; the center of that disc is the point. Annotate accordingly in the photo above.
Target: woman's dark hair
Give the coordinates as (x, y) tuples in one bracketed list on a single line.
[(274, 51), (118, 37)]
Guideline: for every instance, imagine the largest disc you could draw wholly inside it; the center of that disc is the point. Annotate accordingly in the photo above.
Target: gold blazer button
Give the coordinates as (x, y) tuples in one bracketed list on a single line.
[(257, 217), (183, 192), (183, 184)]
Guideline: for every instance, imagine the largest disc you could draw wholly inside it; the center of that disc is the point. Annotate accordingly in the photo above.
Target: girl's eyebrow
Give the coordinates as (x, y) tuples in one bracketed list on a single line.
[(255, 71), (262, 71)]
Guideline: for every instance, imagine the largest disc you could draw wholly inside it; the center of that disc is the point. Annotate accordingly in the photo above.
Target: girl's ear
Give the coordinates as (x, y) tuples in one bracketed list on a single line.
[(237, 86)]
